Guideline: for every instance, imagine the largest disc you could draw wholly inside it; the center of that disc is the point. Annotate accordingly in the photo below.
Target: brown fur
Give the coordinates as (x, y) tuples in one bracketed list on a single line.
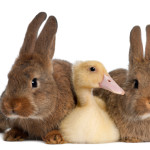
[(54, 137), (37, 111), (127, 111), (20, 106), (3, 123)]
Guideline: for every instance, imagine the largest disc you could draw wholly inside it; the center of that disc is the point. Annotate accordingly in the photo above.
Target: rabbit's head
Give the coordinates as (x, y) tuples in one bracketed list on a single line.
[(31, 90), (137, 85)]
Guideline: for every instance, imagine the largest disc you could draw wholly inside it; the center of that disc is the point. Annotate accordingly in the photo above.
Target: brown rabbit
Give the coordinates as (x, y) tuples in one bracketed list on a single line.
[(39, 92), (131, 112)]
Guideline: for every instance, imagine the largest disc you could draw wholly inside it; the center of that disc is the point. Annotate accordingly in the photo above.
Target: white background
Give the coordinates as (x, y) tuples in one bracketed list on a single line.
[(87, 30)]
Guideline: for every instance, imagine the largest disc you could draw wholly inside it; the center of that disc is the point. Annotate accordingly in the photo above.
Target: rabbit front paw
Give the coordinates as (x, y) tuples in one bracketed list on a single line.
[(15, 135), (130, 140), (53, 137)]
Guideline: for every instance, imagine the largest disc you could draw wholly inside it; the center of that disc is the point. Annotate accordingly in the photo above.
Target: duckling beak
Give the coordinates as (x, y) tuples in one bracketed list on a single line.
[(109, 84)]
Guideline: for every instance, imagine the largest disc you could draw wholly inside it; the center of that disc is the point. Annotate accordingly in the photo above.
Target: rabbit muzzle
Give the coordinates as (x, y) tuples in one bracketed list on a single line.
[(143, 108), (17, 107)]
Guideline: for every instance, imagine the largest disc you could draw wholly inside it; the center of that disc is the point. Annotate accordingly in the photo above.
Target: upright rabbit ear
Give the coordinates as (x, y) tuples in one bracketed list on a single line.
[(147, 49), (31, 34), (136, 47), (45, 44)]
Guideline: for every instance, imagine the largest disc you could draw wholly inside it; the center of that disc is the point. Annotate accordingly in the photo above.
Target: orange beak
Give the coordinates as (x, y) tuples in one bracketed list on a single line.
[(109, 84)]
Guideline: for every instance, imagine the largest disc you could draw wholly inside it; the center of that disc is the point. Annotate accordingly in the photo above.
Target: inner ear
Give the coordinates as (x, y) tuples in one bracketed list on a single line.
[(136, 47)]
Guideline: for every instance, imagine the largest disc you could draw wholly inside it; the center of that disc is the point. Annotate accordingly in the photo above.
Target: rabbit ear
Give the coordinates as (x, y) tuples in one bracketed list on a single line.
[(147, 49), (136, 47), (31, 34), (45, 44)]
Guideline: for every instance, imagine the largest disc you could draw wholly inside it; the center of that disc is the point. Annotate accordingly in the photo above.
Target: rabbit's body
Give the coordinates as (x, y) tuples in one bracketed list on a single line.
[(131, 112), (39, 92)]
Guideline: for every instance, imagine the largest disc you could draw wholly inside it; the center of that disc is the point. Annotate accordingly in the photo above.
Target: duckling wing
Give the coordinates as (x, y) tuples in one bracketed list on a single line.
[(100, 103)]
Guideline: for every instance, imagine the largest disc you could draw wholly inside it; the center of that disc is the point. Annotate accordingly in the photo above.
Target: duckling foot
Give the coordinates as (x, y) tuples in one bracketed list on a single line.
[(53, 137), (130, 140), (15, 135)]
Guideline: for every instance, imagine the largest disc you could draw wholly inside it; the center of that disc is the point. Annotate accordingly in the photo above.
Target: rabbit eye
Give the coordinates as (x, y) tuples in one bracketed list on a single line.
[(92, 69), (136, 84), (34, 83)]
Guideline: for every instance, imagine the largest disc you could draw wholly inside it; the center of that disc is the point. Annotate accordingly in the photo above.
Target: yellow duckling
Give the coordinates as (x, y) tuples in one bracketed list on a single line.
[(89, 121)]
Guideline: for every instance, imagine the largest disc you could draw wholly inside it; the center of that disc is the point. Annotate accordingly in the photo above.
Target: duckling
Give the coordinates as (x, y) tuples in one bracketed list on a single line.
[(89, 122)]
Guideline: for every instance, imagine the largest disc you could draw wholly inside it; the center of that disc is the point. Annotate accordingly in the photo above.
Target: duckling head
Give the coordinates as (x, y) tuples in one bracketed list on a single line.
[(92, 74)]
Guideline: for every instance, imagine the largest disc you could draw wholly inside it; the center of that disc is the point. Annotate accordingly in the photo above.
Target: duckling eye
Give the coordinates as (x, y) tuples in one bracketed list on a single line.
[(34, 83), (92, 69), (136, 84)]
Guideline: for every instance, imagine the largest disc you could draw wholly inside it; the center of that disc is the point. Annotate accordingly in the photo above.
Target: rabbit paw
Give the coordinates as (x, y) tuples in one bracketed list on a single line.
[(53, 137), (15, 135), (130, 140)]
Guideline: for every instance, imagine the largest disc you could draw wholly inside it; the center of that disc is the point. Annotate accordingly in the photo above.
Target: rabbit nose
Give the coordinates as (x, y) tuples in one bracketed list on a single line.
[(13, 112), (16, 107), (148, 100), (12, 107)]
